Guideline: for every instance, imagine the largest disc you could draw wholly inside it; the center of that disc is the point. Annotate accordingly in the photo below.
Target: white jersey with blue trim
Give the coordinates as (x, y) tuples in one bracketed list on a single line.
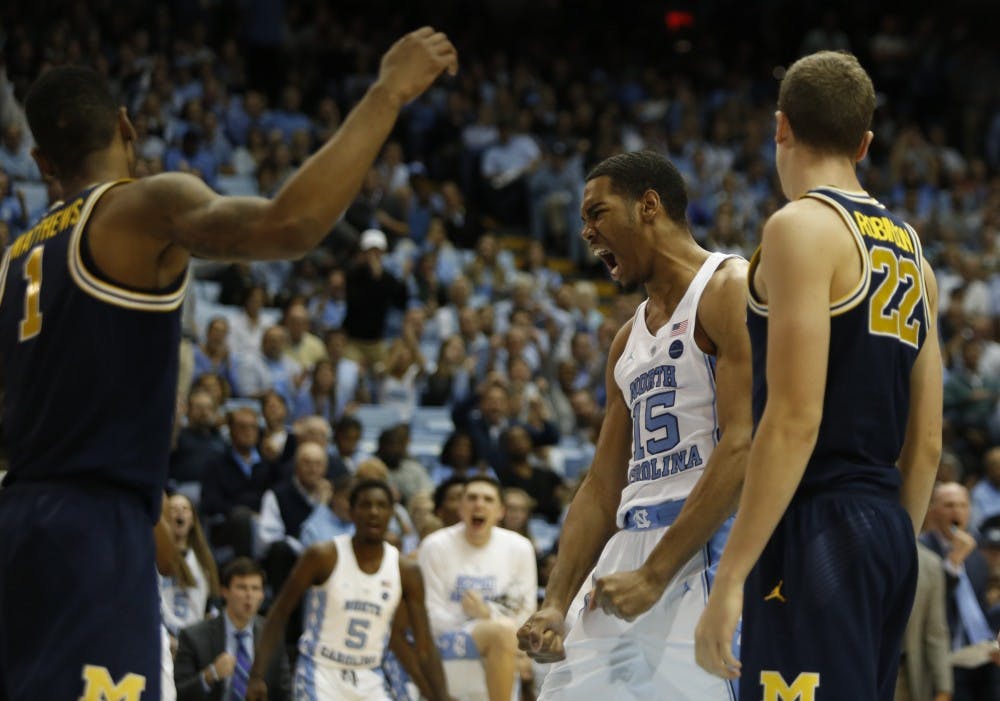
[(348, 618), (668, 384)]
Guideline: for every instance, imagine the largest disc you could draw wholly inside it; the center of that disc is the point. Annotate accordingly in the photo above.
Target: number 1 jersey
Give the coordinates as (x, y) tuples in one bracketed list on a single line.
[(89, 367), (876, 332), (668, 384)]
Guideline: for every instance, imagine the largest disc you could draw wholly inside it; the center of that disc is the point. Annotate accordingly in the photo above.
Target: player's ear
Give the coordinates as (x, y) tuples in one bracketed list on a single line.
[(782, 129), (648, 204), (866, 143), (45, 166), (125, 127)]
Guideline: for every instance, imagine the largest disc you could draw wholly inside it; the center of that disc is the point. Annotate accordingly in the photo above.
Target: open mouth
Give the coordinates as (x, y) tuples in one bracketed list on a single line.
[(609, 260), (478, 520)]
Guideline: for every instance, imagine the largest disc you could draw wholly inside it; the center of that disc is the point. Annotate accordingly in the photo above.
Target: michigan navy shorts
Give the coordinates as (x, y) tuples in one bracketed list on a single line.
[(825, 607), (79, 608)]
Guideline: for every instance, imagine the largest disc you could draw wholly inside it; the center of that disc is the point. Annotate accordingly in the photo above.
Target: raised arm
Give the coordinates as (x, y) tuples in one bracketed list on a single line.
[(421, 660), (918, 460), (313, 568), (797, 265), (179, 211), (722, 314), (590, 522)]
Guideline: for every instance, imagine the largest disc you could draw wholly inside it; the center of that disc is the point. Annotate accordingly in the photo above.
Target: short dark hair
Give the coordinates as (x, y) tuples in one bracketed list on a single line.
[(449, 444), (345, 423), (241, 567), (71, 114), (635, 172), (829, 101), (472, 479), (441, 491), (365, 485)]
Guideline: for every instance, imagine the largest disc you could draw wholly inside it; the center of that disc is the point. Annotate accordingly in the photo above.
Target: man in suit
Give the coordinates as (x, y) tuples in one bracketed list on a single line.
[(966, 576), (214, 657), (233, 486), (924, 672)]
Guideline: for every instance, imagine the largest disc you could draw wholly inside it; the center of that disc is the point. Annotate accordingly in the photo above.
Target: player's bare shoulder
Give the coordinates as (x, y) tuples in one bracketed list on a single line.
[(722, 307)]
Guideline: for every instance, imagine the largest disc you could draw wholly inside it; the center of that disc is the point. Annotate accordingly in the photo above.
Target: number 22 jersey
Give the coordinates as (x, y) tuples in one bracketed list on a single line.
[(876, 332)]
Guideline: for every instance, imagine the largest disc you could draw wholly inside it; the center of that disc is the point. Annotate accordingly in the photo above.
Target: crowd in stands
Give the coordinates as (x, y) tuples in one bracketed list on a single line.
[(453, 323)]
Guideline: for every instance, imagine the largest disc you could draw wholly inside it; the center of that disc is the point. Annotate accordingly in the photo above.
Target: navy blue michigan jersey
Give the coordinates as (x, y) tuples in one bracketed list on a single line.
[(89, 368), (876, 332)]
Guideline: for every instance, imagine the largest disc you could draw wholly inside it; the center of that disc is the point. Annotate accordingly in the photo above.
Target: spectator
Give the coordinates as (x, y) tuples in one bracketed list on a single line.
[(213, 356), (448, 500), (277, 445), (13, 208), (319, 395), (481, 584), (946, 533), (15, 154), (450, 382), (398, 387), (247, 330), (371, 293), (199, 445), (185, 595), (347, 440), (233, 486), (986, 493), (303, 347), (925, 671), (213, 655), (545, 486), (269, 368), (405, 474), (329, 308), (331, 519)]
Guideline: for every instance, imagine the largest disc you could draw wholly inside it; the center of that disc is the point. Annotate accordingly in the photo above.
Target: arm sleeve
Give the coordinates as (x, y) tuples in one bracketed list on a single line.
[(435, 589)]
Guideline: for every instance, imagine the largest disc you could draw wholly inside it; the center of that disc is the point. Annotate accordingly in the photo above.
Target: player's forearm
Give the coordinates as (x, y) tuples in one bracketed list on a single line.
[(321, 190), (918, 483), (777, 461), (408, 658), (713, 500), (589, 525), (433, 671)]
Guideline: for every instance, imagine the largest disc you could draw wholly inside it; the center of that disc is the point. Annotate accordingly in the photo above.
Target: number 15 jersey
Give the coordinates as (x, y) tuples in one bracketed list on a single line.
[(876, 332), (668, 384)]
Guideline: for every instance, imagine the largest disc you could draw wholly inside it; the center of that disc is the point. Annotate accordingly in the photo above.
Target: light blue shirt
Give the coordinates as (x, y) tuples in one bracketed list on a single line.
[(323, 525), (985, 502)]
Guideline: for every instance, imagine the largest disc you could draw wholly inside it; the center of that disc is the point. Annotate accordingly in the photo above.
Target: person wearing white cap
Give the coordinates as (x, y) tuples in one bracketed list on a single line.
[(371, 291)]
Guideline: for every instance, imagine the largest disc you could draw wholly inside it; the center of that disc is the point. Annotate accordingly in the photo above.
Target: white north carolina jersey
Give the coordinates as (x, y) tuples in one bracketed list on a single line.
[(348, 618), (669, 388)]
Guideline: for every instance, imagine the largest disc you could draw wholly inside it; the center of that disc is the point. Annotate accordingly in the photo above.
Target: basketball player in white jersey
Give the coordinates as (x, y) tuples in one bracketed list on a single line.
[(653, 509), (355, 584)]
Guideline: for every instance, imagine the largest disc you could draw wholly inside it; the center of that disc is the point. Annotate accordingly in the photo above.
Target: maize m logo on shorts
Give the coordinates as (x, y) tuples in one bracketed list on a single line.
[(99, 686), (777, 689)]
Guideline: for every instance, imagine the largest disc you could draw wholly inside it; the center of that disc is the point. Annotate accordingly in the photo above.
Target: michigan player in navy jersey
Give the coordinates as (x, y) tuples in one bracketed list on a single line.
[(89, 332), (669, 461), (355, 585), (847, 405)]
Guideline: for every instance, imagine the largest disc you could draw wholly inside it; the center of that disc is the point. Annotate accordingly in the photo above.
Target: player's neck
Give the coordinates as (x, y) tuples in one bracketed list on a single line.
[(98, 167), (676, 263), (818, 171), (368, 554)]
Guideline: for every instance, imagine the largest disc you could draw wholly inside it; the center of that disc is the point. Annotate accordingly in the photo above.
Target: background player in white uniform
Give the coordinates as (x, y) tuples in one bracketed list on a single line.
[(481, 584), (357, 582), (678, 380)]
